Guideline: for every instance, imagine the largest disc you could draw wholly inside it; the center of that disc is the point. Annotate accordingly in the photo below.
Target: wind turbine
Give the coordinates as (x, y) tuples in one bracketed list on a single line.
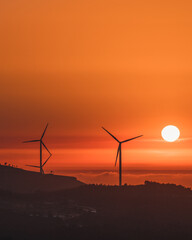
[(119, 153), (41, 151)]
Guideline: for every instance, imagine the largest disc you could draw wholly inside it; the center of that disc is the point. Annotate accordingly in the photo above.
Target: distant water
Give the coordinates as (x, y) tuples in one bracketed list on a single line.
[(133, 177)]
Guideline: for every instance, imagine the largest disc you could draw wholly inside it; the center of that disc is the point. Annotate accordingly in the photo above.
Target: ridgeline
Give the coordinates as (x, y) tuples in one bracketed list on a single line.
[(73, 210), (21, 181)]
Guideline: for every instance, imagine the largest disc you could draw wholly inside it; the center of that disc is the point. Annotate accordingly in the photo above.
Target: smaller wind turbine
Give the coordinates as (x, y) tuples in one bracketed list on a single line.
[(41, 151), (119, 153)]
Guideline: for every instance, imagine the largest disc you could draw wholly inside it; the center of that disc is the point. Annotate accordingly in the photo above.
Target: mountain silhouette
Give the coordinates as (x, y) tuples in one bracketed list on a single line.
[(22, 181), (98, 212)]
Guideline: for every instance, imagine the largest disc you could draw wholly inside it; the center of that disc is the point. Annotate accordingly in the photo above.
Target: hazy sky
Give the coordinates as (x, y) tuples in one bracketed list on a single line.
[(83, 64)]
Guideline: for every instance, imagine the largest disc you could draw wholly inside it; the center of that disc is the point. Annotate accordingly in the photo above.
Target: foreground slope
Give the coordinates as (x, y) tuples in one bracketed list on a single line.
[(22, 181), (150, 211)]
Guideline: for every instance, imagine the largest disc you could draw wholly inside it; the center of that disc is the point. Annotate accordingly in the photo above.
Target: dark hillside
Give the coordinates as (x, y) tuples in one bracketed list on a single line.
[(150, 211), (19, 180)]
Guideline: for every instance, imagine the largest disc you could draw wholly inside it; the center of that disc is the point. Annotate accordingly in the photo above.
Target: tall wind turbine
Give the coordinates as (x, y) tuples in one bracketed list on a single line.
[(41, 151), (119, 154)]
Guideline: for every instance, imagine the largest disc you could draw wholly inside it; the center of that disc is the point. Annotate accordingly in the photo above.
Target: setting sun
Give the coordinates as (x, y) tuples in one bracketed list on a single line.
[(170, 133)]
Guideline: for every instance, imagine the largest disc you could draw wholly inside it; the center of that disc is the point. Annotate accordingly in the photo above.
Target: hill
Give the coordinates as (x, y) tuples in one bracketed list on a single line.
[(150, 211), (22, 181)]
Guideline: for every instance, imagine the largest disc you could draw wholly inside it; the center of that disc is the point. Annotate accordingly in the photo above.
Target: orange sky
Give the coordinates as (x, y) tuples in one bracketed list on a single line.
[(80, 65)]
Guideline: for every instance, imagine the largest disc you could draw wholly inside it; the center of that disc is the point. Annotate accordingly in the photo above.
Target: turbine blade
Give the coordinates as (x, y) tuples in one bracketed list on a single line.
[(44, 131), (46, 161), (131, 139), (32, 166), (117, 155), (31, 141), (46, 147), (111, 134)]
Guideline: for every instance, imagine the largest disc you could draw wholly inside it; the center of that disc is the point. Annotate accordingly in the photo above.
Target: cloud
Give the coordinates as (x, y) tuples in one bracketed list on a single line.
[(161, 140)]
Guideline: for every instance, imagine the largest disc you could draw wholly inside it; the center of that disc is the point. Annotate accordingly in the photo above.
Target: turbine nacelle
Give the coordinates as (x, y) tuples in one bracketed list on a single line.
[(130, 139)]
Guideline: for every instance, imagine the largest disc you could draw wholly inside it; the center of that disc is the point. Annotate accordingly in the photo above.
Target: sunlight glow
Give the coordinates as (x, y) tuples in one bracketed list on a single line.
[(170, 133)]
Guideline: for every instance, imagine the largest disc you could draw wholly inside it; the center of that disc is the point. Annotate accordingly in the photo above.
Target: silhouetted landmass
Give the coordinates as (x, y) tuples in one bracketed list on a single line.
[(19, 180), (96, 212)]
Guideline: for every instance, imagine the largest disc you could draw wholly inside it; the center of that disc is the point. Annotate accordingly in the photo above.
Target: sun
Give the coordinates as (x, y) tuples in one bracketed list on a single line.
[(170, 133)]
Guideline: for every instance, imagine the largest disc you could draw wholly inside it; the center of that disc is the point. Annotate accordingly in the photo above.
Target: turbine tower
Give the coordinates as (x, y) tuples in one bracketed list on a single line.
[(41, 151), (119, 153)]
